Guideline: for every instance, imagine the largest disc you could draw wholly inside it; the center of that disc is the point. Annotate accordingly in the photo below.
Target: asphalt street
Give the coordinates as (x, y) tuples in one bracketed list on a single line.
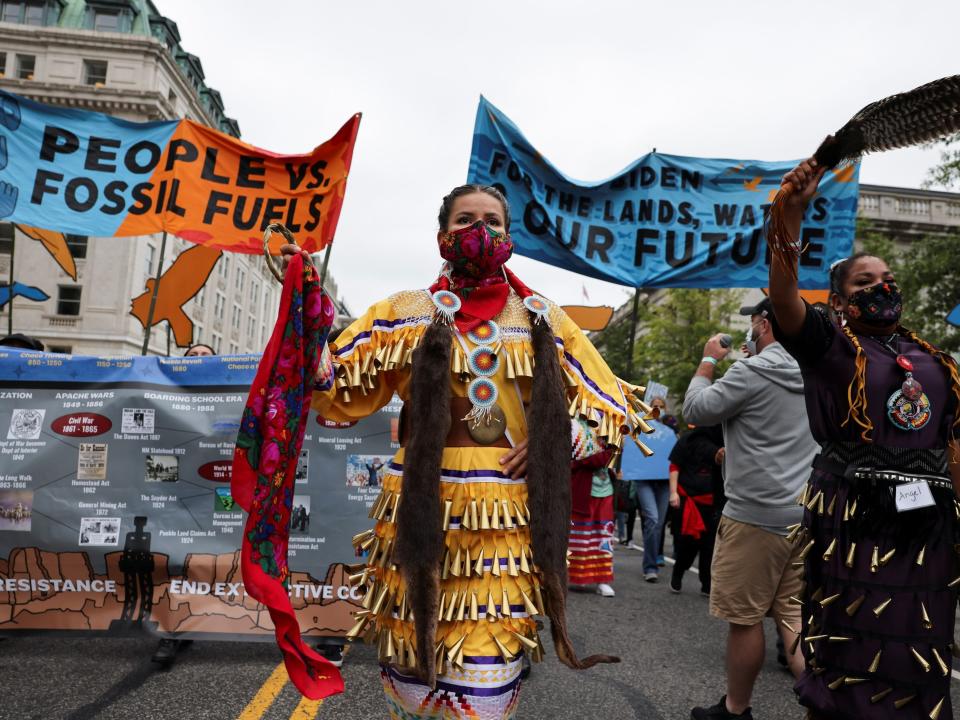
[(672, 654)]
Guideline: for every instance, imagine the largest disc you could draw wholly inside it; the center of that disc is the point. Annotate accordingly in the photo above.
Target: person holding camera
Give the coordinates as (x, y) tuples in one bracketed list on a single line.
[(756, 569)]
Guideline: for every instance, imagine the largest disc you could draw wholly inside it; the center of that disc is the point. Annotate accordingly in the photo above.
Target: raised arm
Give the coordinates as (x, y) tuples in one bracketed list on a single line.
[(788, 306)]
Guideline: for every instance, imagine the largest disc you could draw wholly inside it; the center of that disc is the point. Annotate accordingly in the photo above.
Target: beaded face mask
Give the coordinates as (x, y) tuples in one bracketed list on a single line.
[(878, 305), (477, 251)]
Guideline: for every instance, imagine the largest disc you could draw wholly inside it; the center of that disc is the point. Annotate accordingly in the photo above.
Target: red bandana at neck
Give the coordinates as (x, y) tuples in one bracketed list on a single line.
[(480, 303)]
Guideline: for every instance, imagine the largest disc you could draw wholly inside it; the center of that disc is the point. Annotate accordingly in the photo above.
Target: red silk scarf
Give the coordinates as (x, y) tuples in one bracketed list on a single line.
[(265, 461)]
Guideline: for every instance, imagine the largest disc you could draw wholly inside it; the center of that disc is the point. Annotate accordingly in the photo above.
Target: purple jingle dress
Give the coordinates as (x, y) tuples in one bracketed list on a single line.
[(878, 606)]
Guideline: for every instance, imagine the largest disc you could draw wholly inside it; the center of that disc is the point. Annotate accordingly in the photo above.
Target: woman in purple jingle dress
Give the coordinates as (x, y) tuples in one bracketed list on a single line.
[(882, 521)]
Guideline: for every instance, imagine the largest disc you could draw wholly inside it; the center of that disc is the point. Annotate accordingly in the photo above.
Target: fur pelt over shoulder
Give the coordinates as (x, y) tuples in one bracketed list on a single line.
[(419, 544)]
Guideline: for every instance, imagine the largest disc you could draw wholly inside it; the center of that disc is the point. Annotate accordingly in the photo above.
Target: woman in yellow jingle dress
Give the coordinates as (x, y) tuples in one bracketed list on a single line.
[(451, 623)]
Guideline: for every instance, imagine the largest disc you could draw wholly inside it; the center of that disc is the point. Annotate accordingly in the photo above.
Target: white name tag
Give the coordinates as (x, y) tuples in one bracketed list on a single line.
[(912, 496)]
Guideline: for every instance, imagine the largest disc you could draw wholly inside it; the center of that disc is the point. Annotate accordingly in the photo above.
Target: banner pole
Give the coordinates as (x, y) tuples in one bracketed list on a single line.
[(153, 296), (633, 333), (13, 248), (326, 261)]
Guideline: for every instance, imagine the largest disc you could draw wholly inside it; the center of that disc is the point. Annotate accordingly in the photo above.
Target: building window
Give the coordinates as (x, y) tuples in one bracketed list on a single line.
[(254, 292), (3, 64), (870, 202), (218, 307), (95, 72), (224, 268), (953, 209), (234, 348), (197, 334), (241, 276), (215, 343), (25, 66), (910, 206), (236, 317), (108, 19), (198, 298), (68, 300), (77, 245), (31, 12), (148, 268), (6, 238), (62, 349), (251, 328)]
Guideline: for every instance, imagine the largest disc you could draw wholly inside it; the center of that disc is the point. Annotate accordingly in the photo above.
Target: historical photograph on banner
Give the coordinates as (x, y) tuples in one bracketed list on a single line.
[(303, 467), (137, 420), (26, 424), (99, 530), (16, 508), (161, 468), (92, 461), (364, 470), (300, 517)]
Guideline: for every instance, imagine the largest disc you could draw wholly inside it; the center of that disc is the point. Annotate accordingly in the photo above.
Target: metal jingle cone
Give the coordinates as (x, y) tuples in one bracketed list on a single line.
[(388, 649), (831, 548), (806, 550), (851, 555), (572, 410), (478, 566), (467, 564), (492, 613), (511, 373), (495, 516), (920, 659), (878, 610), (935, 713), (875, 559), (445, 573), (802, 500), (524, 565), (411, 654), (855, 605), (953, 583), (880, 695), (944, 668), (455, 564), (832, 505), (836, 683), (441, 658), (875, 663), (505, 609), (853, 508), (501, 648), (887, 557), (447, 510), (511, 564), (495, 568), (788, 626), (401, 650), (462, 608), (795, 644), (921, 555), (524, 640), (455, 654), (403, 606), (903, 702), (380, 601), (484, 516), (522, 520), (538, 597), (830, 600), (474, 512), (820, 504), (508, 523), (357, 630), (925, 617), (474, 607), (839, 638), (793, 532), (362, 537), (813, 501), (443, 605), (817, 595), (451, 607), (528, 604)]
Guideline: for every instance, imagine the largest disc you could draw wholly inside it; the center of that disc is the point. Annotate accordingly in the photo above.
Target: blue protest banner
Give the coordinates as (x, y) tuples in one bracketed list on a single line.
[(665, 221)]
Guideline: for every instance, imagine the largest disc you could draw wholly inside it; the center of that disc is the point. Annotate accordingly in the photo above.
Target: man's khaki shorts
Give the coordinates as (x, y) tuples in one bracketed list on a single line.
[(752, 576)]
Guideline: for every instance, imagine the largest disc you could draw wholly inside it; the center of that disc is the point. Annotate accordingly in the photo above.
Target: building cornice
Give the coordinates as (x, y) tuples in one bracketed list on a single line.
[(919, 193)]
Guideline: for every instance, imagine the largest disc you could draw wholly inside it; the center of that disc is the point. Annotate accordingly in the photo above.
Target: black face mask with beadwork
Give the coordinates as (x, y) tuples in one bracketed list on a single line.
[(879, 305)]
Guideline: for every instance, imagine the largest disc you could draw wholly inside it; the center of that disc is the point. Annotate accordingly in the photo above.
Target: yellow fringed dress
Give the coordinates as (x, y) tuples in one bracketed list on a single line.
[(488, 563)]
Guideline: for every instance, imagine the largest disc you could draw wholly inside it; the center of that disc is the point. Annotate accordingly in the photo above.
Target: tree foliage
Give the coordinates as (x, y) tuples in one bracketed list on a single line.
[(671, 334), (947, 173)]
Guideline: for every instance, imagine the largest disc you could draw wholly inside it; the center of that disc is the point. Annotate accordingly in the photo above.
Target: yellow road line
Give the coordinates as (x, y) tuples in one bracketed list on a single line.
[(265, 696), (306, 710)]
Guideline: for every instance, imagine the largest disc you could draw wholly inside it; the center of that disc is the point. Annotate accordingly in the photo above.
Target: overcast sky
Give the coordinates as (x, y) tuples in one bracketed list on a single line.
[(593, 85)]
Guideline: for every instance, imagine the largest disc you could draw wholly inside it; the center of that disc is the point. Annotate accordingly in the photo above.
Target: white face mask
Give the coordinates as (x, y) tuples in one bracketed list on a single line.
[(750, 342)]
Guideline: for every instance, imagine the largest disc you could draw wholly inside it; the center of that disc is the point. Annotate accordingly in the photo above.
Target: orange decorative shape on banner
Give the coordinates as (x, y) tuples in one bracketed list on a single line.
[(182, 280), (54, 243), (589, 318)]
